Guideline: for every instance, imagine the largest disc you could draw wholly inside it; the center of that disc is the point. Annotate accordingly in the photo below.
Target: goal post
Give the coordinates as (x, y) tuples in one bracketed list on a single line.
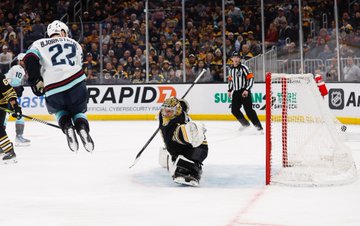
[(304, 143)]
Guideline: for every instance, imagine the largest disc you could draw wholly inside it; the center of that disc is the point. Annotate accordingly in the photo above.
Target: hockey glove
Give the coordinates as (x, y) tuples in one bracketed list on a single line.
[(17, 111), (38, 88)]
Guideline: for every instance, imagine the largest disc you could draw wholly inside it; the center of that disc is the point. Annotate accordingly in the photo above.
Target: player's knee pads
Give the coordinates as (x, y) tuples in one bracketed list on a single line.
[(194, 133)]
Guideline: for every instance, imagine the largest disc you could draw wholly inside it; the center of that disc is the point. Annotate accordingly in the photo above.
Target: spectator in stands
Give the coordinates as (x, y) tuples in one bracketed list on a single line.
[(331, 71), (177, 64), (129, 66), (280, 17), (140, 56), (95, 51), (177, 48), (109, 56), (325, 53), (285, 33), (15, 46), (90, 67), (38, 28), (192, 60), (230, 26), (126, 55), (155, 76), (351, 71), (272, 35), (121, 73), (9, 33), (5, 59), (109, 71), (165, 69), (323, 36), (254, 45), (234, 12), (138, 77), (173, 78), (196, 70), (245, 53)]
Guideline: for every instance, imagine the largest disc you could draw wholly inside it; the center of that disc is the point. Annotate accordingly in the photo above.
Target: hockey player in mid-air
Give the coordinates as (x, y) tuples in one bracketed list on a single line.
[(15, 77), (8, 99), (185, 142), (54, 67)]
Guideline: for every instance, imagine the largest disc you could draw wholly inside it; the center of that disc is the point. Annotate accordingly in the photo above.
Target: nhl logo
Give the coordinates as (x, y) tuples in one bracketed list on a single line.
[(336, 99)]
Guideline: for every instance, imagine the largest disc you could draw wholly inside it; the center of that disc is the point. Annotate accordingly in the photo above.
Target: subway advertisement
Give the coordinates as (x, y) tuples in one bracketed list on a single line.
[(207, 101)]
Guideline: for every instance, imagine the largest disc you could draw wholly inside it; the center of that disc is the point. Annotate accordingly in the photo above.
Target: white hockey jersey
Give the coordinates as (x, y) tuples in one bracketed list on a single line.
[(61, 63), (15, 76)]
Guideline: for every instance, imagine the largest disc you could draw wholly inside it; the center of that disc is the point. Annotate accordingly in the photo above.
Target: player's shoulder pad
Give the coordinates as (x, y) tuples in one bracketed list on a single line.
[(184, 105)]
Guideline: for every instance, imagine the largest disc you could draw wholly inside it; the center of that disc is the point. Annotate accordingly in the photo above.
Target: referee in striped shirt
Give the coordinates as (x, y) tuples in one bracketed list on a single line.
[(240, 82)]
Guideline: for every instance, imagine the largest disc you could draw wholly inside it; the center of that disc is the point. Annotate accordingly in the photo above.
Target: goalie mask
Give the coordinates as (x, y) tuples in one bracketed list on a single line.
[(171, 108)]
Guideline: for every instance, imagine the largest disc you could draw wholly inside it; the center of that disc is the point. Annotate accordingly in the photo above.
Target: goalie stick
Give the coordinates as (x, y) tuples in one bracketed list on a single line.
[(31, 118), (157, 130)]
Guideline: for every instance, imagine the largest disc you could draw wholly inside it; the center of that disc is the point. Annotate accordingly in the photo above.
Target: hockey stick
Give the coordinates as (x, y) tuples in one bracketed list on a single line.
[(29, 117), (157, 130)]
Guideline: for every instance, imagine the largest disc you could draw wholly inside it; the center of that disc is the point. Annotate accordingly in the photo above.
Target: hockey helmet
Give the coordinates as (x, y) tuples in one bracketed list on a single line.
[(20, 56), (56, 27), (171, 107)]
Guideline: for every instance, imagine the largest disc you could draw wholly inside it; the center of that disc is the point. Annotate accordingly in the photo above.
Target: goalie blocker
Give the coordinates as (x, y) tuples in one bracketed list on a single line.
[(185, 142)]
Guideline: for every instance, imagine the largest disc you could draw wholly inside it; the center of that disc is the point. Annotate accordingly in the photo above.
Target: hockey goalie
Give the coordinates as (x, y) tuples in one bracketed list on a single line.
[(185, 142)]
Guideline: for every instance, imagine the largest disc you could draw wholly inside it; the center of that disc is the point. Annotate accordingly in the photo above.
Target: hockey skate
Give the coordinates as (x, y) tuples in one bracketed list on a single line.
[(71, 139), (186, 172), (20, 141), (86, 140), (8, 157)]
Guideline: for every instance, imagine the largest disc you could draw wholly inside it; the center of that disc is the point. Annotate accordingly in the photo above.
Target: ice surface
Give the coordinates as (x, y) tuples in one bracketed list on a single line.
[(52, 186)]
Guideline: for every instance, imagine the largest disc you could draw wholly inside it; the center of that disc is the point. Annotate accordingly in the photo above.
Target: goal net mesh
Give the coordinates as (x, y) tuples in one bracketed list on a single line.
[(305, 145)]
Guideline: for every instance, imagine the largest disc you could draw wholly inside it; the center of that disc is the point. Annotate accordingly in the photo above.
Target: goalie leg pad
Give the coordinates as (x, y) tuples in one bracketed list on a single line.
[(164, 157), (194, 133)]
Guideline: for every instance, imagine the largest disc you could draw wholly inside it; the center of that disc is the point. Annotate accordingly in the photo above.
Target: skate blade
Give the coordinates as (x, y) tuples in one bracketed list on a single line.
[(9, 161), (72, 140), (22, 144), (87, 141), (182, 181)]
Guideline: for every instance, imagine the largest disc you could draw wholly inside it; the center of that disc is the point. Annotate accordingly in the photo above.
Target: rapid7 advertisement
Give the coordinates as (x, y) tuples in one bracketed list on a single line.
[(343, 99)]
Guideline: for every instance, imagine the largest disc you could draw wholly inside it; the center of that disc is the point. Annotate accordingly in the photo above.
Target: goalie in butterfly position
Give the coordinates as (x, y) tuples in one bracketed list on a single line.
[(54, 66), (185, 142)]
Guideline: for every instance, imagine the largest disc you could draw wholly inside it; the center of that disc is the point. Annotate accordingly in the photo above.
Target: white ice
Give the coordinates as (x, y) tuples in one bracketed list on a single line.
[(52, 186)]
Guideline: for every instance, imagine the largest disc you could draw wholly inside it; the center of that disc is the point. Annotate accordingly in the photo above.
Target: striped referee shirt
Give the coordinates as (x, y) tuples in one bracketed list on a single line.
[(240, 77)]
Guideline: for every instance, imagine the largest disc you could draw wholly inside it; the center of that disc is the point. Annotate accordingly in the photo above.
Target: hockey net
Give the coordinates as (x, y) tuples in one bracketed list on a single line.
[(304, 143)]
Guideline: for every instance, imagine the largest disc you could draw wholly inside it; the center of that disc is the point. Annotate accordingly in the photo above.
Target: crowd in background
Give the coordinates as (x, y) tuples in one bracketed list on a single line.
[(123, 36)]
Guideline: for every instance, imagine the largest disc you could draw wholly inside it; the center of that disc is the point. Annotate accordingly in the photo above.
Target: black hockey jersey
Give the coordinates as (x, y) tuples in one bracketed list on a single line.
[(172, 134), (6, 91)]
